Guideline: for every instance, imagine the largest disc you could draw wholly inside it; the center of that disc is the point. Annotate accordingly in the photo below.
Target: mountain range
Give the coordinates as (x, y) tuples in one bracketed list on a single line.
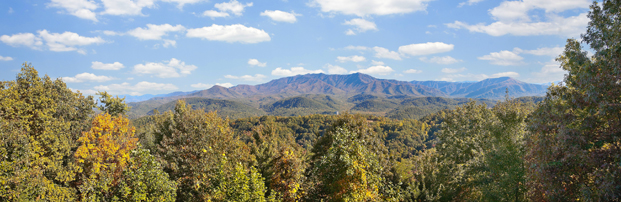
[(322, 93)]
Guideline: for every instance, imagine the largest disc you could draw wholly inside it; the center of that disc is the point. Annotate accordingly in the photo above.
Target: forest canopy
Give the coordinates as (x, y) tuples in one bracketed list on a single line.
[(59, 145)]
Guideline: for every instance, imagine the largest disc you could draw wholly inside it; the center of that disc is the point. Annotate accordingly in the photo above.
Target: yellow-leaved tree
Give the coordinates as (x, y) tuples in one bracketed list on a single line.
[(103, 155)]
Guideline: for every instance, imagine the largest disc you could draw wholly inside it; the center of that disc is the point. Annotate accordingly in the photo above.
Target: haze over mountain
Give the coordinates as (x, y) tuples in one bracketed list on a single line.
[(493, 88)]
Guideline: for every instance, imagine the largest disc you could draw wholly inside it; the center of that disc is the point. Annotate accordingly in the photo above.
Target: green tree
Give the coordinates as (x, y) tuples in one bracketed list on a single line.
[(190, 146), (144, 180), (573, 152), (112, 105), (239, 184), (342, 167), (42, 120), (480, 152)]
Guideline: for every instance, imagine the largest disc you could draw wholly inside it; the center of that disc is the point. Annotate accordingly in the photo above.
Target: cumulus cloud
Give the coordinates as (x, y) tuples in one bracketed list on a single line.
[(505, 74), (201, 85), (413, 71), (67, 41), (233, 7), (512, 17), (385, 53), (86, 77), (360, 48), (113, 33), (230, 33), (174, 68), (546, 51), (138, 89), (379, 70), (504, 58), (181, 3), (107, 66), (294, 71), (22, 39), (360, 25), (5, 58), (370, 7), (375, 63), (550, 72), (353, 58), (425, 48), (281, 16), (446, 60), (126, 7), (256, 77), (334, 69), (154, 32), (452, 71), (469, 2), (255, 62), (79, 8)]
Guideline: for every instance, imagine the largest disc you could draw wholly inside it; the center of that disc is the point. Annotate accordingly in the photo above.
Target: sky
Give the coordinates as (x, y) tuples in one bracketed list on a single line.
[(136, 47)]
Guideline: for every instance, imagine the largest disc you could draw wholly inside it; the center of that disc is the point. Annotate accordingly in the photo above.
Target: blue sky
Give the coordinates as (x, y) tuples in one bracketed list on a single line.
[(159, 46)]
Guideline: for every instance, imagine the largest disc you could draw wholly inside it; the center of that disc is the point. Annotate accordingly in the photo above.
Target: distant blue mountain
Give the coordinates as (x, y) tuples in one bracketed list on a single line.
[(131, 98), (494, 88)]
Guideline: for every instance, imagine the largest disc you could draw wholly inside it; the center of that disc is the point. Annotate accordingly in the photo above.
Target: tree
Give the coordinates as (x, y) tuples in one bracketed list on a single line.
[(287, 175), (103, 156), (576, 131), (144, 180), (190, 144), (238, 185), (42, 120), (480, 152), (112, 105), (342, 167)]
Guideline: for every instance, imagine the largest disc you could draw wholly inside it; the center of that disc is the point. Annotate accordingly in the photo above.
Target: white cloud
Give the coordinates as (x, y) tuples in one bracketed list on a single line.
[(350, 32), (553, 52), (167, 43), (255, 62), (426, 48), (512, 17), (505, 74), (232, 6), (469, 2), (154, 32), (370, 7), (294, 71), (3, 58), (385, 53), (376, 63), (113, 33), (452, 71), (380, 70), (181, 3), (281, 16), (446, 60), (335, 69), (361, 25), (256, 77), (215, 14), (360, 48), (10, 10), (174, 68), (67, 41), (504, 58), (79, 8), (22, 39), (140, 88), (550, 72), (84, 77), (126, 7), (107, 66), (226, 85), (201, 85), (230, 33), (413, 71), (353, 58)]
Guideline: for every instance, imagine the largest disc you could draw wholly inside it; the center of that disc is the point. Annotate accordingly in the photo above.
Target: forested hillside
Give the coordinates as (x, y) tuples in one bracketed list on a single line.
[(59, 145)]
